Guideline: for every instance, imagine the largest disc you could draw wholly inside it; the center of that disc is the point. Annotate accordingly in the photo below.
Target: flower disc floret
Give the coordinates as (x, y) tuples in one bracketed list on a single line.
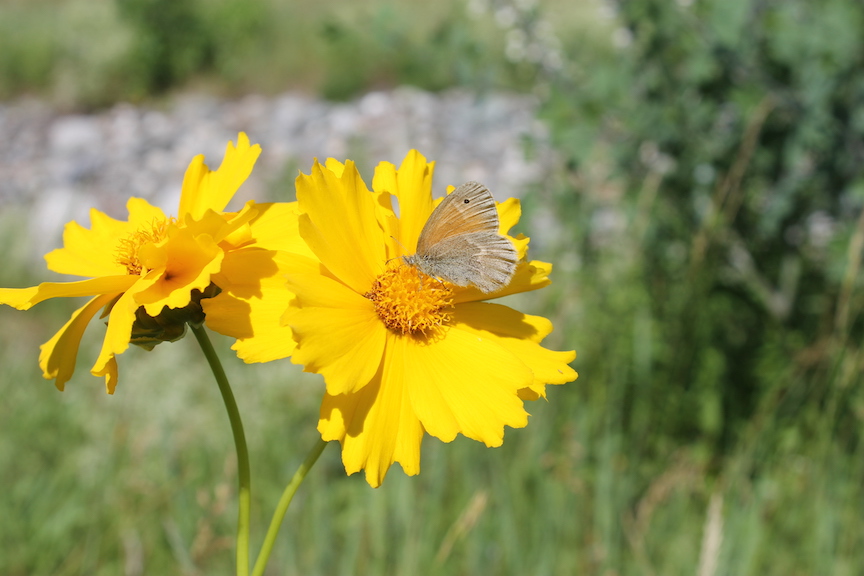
[(409, 302), (127, 250)]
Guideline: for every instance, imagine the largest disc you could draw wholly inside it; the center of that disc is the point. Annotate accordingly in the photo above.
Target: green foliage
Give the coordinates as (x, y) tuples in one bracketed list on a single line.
[(29, 52), (391, 45), (712, 192), (171, 41), (91, 54)]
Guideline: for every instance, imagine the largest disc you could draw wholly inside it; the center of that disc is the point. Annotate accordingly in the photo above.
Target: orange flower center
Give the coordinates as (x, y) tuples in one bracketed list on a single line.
[(127, 249), (410, 302)]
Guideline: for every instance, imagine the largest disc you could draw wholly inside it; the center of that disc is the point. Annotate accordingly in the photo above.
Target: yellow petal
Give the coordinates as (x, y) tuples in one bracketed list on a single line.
[(338, 332), (203, 189), (116, 338), (385, 179), (412, 186), (529, 276), (276, 227), (220, 226), (509, 213), (58, 356), (90, 252), (181, 264), (338, 168), (375, 425), (111, 375), (340, 225), (94, 252), (234, 317), (520, 243), (189, 196), (25, 298), (521, 334), (254, 296), (502, 320), (384, 182), (462, 383), (142, 214)]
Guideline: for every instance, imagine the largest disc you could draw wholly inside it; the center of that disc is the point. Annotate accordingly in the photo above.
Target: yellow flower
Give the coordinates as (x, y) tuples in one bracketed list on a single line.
[(148, 273), (403, 354)]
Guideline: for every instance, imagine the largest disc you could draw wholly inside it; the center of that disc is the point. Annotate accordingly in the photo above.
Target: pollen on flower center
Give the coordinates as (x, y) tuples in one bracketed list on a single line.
[(127, 249), (410, 302)]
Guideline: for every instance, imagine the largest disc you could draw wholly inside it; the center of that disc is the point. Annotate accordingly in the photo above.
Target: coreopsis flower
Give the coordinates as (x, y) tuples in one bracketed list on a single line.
[(402, 353), (148, 274)]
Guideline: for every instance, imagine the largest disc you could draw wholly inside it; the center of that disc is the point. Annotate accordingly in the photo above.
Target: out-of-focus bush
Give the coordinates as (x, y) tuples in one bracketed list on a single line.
[(88, 54), (729, 139), (710, 202), (384, 47), (171, 42)]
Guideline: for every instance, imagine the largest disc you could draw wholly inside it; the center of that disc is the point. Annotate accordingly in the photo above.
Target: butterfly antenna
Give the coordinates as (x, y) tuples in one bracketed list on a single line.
[(400, 245)]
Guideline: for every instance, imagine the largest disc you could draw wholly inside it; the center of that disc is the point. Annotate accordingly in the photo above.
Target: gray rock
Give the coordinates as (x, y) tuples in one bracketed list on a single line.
[(58, 166)]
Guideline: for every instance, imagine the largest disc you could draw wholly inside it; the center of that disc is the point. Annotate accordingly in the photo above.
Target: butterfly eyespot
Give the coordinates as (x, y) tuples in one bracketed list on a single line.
[(466, 201)]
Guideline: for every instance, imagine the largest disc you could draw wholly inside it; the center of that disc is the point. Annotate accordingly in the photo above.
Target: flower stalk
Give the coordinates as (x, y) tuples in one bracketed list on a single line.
[(282, 506), (244, 493)]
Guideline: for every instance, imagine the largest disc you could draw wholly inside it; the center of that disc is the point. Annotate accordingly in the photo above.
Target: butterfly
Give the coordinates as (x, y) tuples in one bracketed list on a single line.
[(460, 242)]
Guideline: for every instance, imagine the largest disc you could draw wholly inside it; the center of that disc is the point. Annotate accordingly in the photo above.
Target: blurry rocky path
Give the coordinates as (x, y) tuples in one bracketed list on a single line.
[(55, 167)]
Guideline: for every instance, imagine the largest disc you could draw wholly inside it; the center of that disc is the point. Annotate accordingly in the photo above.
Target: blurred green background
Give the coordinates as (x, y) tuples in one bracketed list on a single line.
[(707, 209)]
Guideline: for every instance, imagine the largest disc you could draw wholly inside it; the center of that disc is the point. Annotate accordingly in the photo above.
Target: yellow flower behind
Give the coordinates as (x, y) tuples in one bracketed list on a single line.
[(148, 273), (403, 354)]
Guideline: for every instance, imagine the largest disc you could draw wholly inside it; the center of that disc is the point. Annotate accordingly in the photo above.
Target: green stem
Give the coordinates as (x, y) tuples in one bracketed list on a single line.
[(244, 495), (282, 507)]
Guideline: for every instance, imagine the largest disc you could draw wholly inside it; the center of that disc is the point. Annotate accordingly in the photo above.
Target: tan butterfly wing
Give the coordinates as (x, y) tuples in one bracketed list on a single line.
[(470, 208), (460, 242)]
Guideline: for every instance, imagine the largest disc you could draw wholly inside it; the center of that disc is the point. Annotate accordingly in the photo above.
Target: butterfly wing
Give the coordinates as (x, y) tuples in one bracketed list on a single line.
[(483, 259), (470, 208), (461, 244)]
